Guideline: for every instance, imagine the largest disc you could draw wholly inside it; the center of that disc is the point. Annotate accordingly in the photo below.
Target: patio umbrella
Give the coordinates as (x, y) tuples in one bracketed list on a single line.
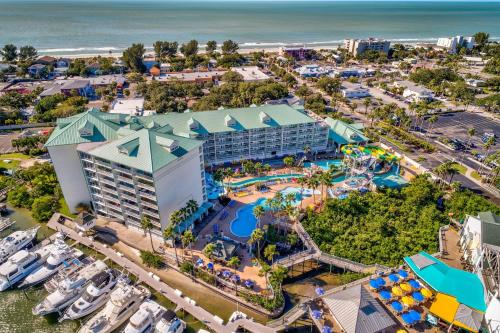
[(199, 262), (316, 314), (427, 293), (374, 284), (385, 295), (414, 284), (398, 307), (380, 281), (418, 296), (210, 265), (326, 329), (403, 273), (407, 319), (248, 283), (407, 301), (405, 286), (393, 278), (320, 291), (235, 278), (226, 274), (397, 291), (415, 315)]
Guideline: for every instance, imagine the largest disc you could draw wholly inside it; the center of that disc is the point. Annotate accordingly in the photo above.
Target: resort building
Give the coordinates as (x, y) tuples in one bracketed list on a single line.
[(359, 46), (415, 92), (356, 72), (342, 133), (298, 53), (453, 44), (251, 73), (128, 167), (313, 71), (356, 92), (131, 106)]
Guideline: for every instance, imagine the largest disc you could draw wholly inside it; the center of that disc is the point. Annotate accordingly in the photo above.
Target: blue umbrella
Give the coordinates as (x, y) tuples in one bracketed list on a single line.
[(394, 278), (374, 284), (235, 278), (316, 314), (199, 262), (385, 295), (320, 291), (398, 307), (380, 281), (226, 274), (408, 318), (403, 273), (326, 329), (414, 284), (210, 265), (248, 283), (418, 296), (416, 316)]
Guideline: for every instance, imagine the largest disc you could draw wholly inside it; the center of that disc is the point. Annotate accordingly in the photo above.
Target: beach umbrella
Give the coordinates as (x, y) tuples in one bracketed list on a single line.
[(380, 281), (397, 306), (226, 274), (385, 295), (374, 284), (414, 284), (235, 278), (248, 283), (320, 291), (418, 296), (403, 273), (426, 292), (415, 315), (401, 331), (407, 301), (210, 265), (199, 262), (326, 329), (393, 278), (397, 291), (405, 287), (316, 314), (407, 319)]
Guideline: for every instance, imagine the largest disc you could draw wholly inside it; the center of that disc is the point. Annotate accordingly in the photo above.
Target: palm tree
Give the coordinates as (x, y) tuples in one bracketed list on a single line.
[(264, 270), (326, 179), (270, 251), (256, 237), (258, 212), (366, 102), (187, 238), (209, 250), (470, 133), (278, 274), (169, 233), (313, 183), (302, 181), (147, 225), (432, 119), (192, 206), (288, 161), (234, 262)]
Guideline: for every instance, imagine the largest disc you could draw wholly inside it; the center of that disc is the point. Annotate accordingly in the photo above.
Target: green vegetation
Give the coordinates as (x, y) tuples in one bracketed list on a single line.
[(406, 137), (32, 145), (465, 202), (435, 79), (152, 260), (490, 102), (171, 97), (132, 57)]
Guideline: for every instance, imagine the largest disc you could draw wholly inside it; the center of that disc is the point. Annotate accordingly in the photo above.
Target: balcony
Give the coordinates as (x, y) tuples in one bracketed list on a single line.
[(141, 176), (145, 186), (128, 196), (150, 205), (112, 199), (107, 182), (150, 213), (131, 207)]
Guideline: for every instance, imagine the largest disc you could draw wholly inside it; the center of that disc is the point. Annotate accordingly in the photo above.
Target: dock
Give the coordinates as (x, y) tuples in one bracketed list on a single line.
[(198, 312)]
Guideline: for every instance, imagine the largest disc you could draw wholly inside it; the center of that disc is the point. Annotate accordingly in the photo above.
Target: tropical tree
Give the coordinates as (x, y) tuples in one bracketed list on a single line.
[(270, 251), (169, 233), (229, 47), (187, 239), (133, 56), (147, 225), (255, 238), (190, 48), (470, 133), (432, 119), (258, 212), (367, 102), (9, 53), (264, 271), (326, 179), (481, 39), (278, 275), (302, 181), (234, 262), (192, 206), (209, 250), (289, 161), (313, 183), (27, 53), (211, 47)]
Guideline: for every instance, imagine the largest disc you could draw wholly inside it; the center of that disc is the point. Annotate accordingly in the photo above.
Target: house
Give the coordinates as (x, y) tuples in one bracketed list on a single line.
[(132, 106), (251, 73), (149, 62), (107, 80), (192, 77), (415, 92), (63, 63), (313, 70), (80, 87), (84, 222), (356, 92), (46, 60), (341, 133), (298, 53), (356, 72), (475, 83), (37, 70)]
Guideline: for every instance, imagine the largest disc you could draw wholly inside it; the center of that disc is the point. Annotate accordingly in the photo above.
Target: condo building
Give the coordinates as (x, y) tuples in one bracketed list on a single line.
[(452, 44), (359, 46), (127, 167)]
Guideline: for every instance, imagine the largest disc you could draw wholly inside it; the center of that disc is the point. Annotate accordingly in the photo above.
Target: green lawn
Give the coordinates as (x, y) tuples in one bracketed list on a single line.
[(396, 143), (65, 209), (15, 160), (475, 175), (460, 168)]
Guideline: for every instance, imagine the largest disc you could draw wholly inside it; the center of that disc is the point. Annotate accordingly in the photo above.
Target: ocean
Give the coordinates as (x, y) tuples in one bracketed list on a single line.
[(99, 26)]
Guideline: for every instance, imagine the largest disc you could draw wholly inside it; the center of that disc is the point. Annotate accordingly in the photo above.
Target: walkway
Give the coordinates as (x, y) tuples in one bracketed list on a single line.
[(199, 313)]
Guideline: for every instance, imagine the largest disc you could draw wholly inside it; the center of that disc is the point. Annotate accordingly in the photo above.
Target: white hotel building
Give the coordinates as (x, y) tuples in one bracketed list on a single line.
[(127, 167)]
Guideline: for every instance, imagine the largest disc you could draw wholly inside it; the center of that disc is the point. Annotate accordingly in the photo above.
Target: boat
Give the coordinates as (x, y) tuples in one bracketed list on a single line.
[(144, 320), (94, 297), (5, 223), (169, 323), (20, 265), (16, 241), (69, 289), (62, 255), (124, 301), (237, 315)]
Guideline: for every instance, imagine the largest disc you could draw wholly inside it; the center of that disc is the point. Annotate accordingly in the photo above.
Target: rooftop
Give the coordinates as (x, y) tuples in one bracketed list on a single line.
[(251, 73), (344, 133)]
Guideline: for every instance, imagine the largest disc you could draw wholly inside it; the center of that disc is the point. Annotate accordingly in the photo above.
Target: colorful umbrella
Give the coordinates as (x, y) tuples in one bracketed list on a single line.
[(316, 314), (418, 296), (405, 286), (427, 293), (380, 281), (414, 284), (397, 291), (415, 315), (385, 295), (326, 329), (403, 273), (374, 284), (394, 278), (397, 306), (235, 278), (320, 291), (226, 274), (407, 301), (210, 265), (199, 262), (248, 283), (407, 319)]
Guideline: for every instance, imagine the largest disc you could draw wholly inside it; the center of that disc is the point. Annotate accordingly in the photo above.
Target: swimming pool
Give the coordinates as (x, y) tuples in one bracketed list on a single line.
[(245, 222), (324, 164)]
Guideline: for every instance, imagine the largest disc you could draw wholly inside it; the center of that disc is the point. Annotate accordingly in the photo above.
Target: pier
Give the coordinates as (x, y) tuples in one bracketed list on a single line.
[(198, 312)]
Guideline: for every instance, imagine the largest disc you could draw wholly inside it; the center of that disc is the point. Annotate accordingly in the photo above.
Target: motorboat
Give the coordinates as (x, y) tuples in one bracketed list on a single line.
[(124, 301), (20, 265), (95, 295), (5, 223), (237, 315), (16, 241), (144, 320), (69, 289), (169, 323), (61, 256)]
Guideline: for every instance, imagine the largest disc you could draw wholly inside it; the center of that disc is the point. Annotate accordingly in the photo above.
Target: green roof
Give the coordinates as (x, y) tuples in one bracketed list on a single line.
[(490, 228), (145, 149), (466, 287), (344, 133)]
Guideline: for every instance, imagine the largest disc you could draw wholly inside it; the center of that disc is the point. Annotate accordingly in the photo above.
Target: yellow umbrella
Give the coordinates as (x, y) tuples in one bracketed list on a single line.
[(405, 286), (407, 300), (397, 291), (401, 331), (426, 293)]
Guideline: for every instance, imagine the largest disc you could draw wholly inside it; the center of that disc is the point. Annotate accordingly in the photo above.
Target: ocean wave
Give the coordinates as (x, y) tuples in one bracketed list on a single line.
[(79, 49)]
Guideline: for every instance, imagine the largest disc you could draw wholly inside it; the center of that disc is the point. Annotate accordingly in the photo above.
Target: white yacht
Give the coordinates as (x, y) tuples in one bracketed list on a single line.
[(94, 297), (20, 265), (124, 301), (69, 289), (16, 241), (169, 323), (61, 252), (144, 320)]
